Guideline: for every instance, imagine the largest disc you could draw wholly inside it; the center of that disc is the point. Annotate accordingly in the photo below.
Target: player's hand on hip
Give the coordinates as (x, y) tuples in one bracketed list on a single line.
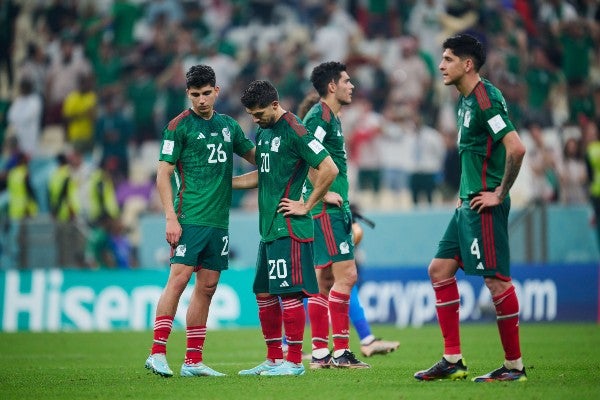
[(484, 200), (333, 198), (292, 207)]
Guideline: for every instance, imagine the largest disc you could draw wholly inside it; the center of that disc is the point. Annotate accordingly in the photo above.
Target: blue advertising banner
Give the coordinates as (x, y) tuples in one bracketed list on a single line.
[(64, 300), (546, 293)]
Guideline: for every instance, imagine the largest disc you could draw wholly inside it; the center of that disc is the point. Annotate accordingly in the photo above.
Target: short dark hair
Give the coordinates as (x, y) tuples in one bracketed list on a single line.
[(324, 73), (259, 94), (464, 45), (200, 75)]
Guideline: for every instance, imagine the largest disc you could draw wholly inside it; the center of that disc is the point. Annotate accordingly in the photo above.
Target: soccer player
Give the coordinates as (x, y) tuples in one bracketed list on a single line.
[(284, 267), (476, 238), (197, 151), (334, 248)]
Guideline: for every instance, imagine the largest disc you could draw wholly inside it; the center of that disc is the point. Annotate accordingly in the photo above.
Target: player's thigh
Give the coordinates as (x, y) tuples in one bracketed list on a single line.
[(484, 241)]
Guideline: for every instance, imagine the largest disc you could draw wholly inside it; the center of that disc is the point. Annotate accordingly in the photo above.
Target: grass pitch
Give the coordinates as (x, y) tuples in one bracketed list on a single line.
[(562, 360)]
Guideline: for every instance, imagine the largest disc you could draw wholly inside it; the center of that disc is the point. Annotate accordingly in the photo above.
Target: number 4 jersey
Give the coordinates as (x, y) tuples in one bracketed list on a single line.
[(202, 152)]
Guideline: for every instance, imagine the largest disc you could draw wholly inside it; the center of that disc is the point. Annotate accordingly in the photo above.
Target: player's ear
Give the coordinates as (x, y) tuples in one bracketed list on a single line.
[(275, 104)]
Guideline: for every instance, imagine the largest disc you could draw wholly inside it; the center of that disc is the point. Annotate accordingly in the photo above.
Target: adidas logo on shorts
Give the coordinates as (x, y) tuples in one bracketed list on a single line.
[(284, 284)]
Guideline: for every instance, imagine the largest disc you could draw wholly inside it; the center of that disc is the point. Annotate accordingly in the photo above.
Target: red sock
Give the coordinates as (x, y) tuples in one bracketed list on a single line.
[(339, 305), (269, 314), (294, 321), (162, 330), (318, 314), (195, 342), (507, 318), (447, 302)]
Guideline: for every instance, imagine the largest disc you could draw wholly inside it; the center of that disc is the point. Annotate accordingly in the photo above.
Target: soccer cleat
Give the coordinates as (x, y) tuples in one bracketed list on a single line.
[(444, 369), (286, 368), (198, 369), (378, 346), (262, 367), (503, 374), (157, 363), (348, 360), (316, 363)]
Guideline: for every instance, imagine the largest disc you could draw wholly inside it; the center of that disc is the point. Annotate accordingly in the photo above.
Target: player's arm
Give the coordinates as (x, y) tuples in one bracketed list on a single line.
[(163, 184), (323, 176), (249, 156), (329, 197), (246, 181), (515, 151)]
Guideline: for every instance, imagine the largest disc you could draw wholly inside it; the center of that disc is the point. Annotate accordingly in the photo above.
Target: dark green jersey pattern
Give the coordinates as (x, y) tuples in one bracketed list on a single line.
[(202, 151), (283, 155), (326, 127), (482, 122)]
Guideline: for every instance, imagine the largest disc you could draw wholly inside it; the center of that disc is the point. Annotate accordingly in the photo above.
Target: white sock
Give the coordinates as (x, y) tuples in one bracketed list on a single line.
[(320, 353), (338, 353), (453, 358), (514, 364), (367, 340)]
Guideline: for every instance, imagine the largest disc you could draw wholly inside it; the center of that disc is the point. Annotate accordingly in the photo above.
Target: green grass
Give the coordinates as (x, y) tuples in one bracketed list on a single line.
[(563, 361)]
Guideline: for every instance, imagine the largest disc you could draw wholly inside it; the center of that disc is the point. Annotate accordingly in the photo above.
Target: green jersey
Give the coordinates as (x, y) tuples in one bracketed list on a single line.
[(327, 128), (202, 151), (284, 153), (482, 123)]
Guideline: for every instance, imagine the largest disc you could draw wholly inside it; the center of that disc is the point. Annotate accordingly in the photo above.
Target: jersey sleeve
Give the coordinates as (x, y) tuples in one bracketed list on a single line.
[(317, 127), (311, 150), (172, 144), (495, 120)]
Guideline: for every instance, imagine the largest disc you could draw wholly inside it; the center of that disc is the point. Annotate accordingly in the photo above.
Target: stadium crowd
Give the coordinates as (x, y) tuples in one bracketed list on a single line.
[(87, 86)]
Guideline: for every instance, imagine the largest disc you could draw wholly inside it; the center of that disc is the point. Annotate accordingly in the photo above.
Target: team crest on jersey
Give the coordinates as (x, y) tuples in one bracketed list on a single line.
[(344, 248), (180, 250), (226, 134), (275, 144), (467, 119)]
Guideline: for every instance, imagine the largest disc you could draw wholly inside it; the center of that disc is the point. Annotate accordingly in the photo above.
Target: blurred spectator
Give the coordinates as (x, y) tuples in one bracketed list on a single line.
[(4, 106), (25, 117), (124, 15), (544, 163), (9, 10), (410, 76), (34, 67), (108, 70), (573, 174), (142, 93), (62, 78), (365, 129), (394, 151), (451, 169), (65, 207), (543, 79), (107, 246), (426, 158), (425, 24), (113, 134), (79, 112), (102, 196), (22, 205)]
